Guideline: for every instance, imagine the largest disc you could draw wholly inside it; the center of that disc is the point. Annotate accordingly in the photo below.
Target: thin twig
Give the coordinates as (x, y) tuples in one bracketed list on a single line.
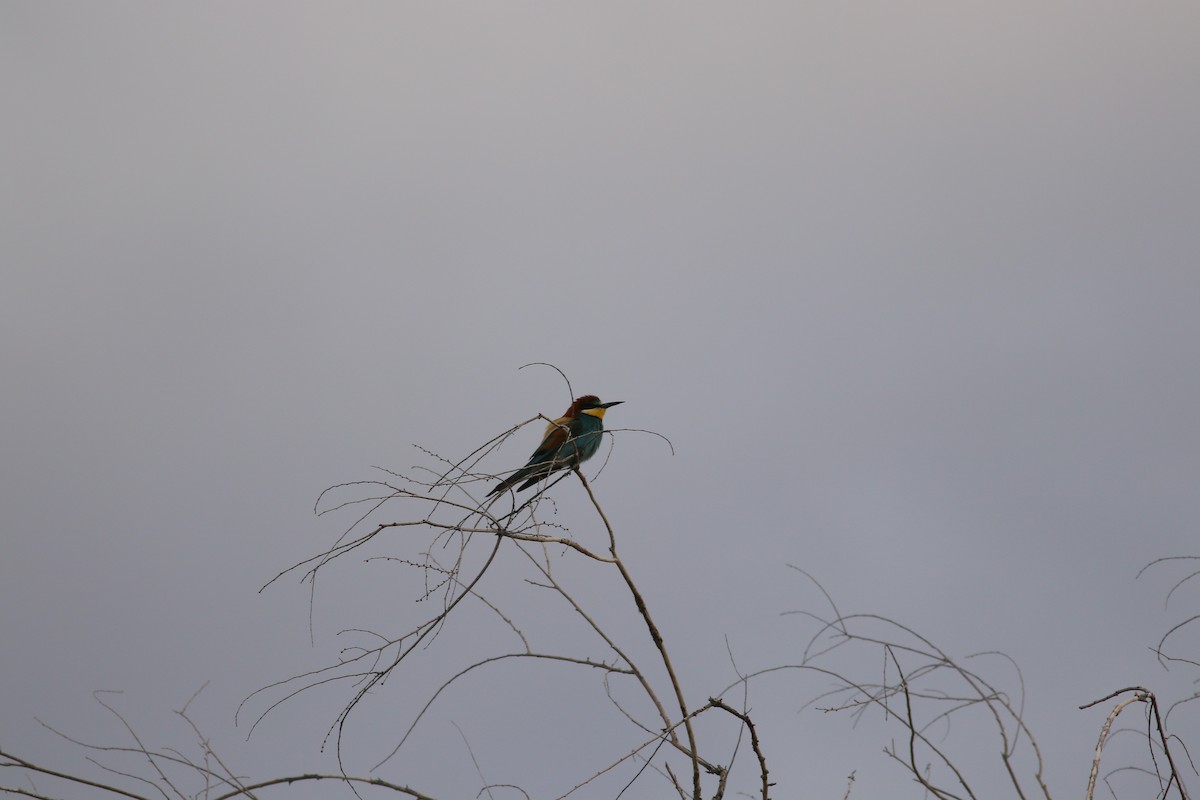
[(654, 635), (745, 718)]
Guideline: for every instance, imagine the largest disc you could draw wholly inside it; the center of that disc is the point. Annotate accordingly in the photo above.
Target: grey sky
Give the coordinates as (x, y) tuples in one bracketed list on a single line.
[(912, 288)]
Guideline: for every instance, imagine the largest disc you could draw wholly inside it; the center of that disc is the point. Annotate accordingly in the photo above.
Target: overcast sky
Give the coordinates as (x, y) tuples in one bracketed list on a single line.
[(912, 289)]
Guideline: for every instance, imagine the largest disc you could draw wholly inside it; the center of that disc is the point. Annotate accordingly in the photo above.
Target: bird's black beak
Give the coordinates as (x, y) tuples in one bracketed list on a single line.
[(613, 403)]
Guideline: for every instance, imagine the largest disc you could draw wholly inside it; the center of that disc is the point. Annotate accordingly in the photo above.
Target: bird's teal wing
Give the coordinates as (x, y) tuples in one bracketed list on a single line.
[(540, 464), (557, 432)]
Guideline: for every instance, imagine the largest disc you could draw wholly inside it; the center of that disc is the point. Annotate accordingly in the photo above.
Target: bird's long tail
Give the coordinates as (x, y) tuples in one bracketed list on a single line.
[(533, 473), (504, 485)]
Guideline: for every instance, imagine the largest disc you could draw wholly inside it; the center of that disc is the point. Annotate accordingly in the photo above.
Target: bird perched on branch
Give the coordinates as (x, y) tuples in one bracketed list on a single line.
[(569, 441)]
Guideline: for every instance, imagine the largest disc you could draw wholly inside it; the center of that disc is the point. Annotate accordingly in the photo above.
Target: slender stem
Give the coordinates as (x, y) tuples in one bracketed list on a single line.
[(762, 761), (20, 762), (654, 635)]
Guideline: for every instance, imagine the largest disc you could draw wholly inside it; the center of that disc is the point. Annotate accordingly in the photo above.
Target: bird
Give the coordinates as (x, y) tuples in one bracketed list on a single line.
[(569, 441)]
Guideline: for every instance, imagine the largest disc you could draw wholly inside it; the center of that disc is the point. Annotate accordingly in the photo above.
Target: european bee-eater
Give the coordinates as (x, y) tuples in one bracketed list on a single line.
[(569, 441)]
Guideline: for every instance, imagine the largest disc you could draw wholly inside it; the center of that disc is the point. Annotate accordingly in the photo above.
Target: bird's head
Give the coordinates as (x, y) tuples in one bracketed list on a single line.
[(590, 404)]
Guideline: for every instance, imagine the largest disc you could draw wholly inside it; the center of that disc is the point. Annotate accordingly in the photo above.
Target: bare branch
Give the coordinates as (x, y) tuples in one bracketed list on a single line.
[(745, 718), (654, 635)]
